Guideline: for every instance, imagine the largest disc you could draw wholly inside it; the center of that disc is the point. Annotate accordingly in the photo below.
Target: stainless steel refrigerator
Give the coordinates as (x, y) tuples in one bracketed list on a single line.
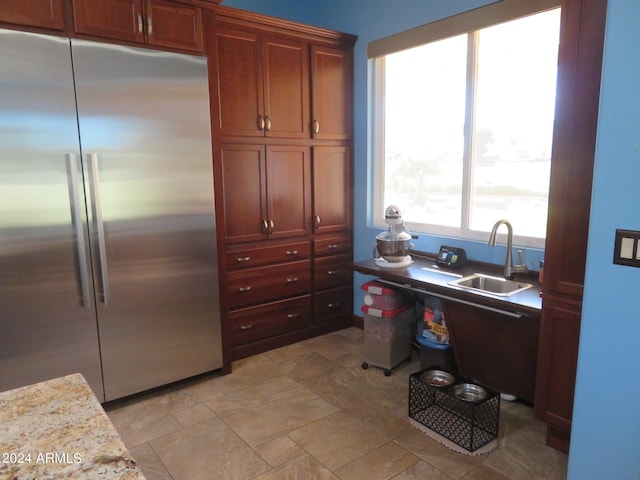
[(108, 260)]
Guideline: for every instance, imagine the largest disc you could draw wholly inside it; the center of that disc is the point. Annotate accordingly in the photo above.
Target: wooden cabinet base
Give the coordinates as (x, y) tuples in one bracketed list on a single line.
[(558, 439)]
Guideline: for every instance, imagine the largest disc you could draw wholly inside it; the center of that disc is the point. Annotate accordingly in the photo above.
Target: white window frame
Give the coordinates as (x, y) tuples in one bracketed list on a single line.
[(468, 22)]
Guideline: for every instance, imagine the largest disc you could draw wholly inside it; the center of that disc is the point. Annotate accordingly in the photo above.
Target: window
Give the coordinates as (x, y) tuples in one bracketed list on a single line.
[(464, 128)]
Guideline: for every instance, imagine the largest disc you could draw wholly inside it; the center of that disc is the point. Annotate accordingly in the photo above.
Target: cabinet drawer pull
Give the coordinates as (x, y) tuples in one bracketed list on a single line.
[(293, 315), (333, 246), (267, 123), (271, 226), (317, 221), (246, 327), (149, 25), (244, 289), (333, 272), (261, 122), (265, 227), (291, 252), (139, 23), (333, 305), (316, 127), (292, 279), (243, 259)]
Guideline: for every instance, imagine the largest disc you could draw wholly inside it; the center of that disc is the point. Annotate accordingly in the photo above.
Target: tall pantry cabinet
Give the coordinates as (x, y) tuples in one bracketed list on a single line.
[(574, 140), (282, 96)]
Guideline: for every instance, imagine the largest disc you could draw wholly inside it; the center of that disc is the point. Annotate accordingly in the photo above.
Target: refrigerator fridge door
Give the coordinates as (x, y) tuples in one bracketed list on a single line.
[(146, 151), (47, 317)]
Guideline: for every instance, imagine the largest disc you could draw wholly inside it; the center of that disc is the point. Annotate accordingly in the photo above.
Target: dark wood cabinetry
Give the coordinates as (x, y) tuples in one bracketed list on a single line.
[(579, 70), (263, 85), (33, 13), (499, 350), (266, 191), (160, 23), (331, 189), (332, 114), (283, 181), (174, 25)]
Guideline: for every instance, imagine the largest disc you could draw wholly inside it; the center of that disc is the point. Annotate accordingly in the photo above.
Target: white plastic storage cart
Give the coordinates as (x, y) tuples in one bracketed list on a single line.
[(387, 336)]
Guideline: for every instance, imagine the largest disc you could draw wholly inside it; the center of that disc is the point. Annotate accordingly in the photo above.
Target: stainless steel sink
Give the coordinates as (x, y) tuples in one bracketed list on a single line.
[(487, 284)]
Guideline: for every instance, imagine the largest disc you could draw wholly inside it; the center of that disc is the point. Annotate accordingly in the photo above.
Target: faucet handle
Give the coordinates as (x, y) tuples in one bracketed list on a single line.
[(523, 268)]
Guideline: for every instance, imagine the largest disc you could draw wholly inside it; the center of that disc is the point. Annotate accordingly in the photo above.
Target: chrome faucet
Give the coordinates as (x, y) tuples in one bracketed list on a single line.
[(509, 267)]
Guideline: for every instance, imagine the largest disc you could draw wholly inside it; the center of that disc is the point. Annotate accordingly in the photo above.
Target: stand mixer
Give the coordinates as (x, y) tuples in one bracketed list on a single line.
[(392, 246)]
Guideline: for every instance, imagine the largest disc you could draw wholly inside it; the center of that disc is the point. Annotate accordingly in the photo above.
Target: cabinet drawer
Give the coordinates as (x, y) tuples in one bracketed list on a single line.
[(333, 303), (256, 323), (332, 271), (251, 257), (332, 245), (257, 285)]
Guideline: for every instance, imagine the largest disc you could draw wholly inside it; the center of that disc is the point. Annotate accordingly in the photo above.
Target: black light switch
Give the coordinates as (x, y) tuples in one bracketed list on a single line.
[(627, 248)]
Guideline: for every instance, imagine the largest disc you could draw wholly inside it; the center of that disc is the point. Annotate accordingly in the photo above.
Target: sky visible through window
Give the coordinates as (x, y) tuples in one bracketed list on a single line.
[(512, 124)]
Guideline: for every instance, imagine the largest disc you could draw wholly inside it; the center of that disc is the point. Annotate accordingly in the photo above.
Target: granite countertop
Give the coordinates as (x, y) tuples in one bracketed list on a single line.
[(424, 274), (57, 429)]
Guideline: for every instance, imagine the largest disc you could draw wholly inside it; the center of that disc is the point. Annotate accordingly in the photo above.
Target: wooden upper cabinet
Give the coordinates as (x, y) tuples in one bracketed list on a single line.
[(263, 85), (155, 22), (33, 13), (332, 93), (574, 142), (331, 189), (285, 65), (174, 25), (266, 191)]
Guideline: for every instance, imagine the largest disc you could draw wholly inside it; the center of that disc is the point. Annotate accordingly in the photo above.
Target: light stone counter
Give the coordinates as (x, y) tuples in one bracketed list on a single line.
[(58, 430)]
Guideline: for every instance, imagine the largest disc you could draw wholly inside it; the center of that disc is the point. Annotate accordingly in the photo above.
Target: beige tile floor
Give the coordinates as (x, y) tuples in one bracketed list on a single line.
[(308, 411)]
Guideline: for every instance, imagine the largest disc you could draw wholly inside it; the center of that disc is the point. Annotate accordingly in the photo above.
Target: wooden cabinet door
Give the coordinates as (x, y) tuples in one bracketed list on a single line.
[(244, 192), (331, 189), (155, 22), (239, 83), (288, 171), (558, 359), (121, 19), (174, 25), (332, 93), (285, 66), (33, 13), (495, 349)]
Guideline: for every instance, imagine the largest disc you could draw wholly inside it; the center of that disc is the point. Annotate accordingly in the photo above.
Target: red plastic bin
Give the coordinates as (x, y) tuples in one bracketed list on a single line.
[(378, 295)]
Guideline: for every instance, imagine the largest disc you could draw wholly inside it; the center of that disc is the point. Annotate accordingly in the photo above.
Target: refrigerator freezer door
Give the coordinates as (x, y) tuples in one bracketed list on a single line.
[(47, 316), (145, 130)]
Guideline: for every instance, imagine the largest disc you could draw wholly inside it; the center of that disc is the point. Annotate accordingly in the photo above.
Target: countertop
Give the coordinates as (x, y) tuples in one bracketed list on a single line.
[(426, 276), (57, 429)]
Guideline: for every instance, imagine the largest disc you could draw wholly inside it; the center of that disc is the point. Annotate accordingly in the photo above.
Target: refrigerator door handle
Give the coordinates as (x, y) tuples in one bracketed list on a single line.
[(72, 166), (96, 207)]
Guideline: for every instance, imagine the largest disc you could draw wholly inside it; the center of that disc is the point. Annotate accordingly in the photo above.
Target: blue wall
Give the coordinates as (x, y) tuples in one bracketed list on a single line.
[(606, 423), (606, 428)]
